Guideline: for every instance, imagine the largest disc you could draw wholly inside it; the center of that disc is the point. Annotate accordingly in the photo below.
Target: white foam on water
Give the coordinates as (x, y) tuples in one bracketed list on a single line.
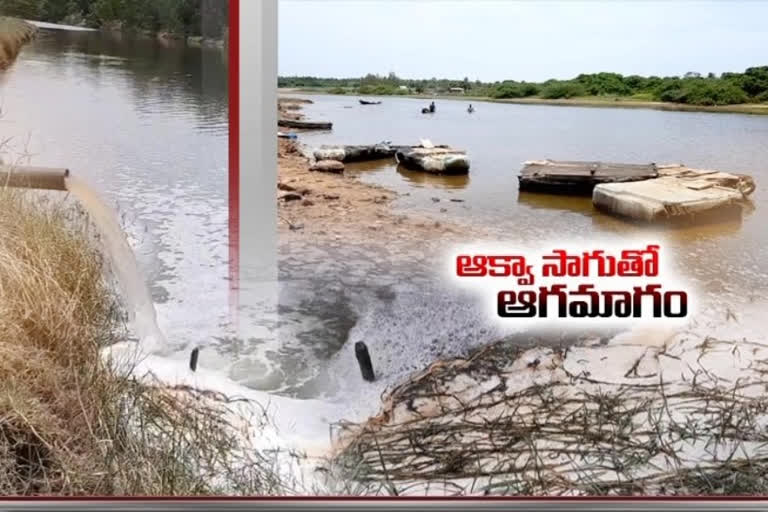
[(294, 432), (293, 424)]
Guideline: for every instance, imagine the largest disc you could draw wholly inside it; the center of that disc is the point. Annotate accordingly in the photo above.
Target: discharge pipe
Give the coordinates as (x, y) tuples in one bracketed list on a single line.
[(47, 178)]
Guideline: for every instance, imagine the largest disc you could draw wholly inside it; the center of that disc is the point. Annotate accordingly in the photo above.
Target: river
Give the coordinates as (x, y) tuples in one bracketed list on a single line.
[(146, 124)]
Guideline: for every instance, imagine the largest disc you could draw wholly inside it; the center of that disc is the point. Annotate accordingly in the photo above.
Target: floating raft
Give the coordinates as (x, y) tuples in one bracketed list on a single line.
[(678, 193), (305, 125), (579, 178), (366, 102), (355, 153), (435, 160)]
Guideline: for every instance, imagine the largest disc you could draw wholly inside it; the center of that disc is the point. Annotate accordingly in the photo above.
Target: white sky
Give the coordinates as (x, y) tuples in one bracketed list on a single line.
[(519, 40)]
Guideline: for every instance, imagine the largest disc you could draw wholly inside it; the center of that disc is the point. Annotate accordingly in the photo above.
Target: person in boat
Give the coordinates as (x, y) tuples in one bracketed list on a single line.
[(470, 109), (432, 107)]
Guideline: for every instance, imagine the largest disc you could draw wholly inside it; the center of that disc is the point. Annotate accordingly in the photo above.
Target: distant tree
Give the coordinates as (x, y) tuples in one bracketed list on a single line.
[(755, 81), (728, 88), (562, 89)]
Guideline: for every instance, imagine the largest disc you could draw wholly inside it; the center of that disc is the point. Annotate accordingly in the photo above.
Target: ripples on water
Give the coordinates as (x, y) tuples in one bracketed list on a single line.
[(147, 124)]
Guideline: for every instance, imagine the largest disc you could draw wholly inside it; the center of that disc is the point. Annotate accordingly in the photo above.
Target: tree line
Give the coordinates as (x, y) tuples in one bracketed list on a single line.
[(206, 18), (751, 86)]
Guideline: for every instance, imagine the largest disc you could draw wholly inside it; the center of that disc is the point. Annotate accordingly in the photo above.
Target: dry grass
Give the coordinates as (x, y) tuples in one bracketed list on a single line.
[(70, 424), (14, 34)]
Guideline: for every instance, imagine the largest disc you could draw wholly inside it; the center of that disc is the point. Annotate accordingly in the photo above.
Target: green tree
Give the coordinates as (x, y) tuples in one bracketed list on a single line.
[(30, 9), (564, 90)]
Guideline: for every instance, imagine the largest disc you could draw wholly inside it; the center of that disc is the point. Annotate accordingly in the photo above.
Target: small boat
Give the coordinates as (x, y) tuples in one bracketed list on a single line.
[(366, 102), (284, 135), (435, 159), (578, 178), (306, 125), (425, 110)]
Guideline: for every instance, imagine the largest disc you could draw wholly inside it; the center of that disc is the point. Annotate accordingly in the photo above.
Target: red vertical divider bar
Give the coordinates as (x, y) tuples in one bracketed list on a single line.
[(234, 145)]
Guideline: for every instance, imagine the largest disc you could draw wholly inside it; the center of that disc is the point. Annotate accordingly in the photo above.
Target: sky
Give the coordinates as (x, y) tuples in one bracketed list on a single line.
[(528, 40)]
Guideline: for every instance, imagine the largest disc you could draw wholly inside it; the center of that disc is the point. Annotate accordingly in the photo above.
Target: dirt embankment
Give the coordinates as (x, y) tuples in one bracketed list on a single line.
[(14, 34), (289, 108)]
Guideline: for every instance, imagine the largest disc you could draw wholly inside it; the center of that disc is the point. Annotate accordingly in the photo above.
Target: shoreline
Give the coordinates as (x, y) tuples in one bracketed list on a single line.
[(594, 102), (162, 36), (329, 207)]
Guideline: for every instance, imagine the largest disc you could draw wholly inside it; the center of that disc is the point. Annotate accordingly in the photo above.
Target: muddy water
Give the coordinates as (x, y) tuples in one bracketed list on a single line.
[(146, 124)]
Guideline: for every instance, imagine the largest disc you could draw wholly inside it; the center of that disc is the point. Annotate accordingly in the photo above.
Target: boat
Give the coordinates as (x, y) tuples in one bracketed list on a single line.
[(305, 125), (367, 102), (284, 135), (434, 159), (579, 178), (679, 193)]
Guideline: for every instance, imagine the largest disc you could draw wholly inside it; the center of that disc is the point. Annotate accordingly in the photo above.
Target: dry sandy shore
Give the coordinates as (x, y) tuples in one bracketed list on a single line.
[(322, 205)]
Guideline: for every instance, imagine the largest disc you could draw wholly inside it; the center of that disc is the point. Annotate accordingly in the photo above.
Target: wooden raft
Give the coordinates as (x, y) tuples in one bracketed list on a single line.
[(579, 178)]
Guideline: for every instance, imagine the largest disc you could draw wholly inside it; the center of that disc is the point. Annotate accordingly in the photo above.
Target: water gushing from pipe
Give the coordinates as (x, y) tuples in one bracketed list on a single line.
[(141, 308)]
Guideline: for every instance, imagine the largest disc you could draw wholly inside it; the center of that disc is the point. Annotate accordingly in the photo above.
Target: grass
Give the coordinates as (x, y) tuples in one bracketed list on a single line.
[(14, 34), (73, 423)]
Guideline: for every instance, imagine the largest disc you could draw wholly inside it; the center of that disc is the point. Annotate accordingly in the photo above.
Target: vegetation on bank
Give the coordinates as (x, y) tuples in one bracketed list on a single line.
[(750, 87), (13, 35), (184, 18)]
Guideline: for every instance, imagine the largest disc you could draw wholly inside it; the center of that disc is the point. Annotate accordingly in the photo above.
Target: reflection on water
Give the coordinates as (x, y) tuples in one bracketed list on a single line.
[(383, 168), (417, 178), (576, 204)]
